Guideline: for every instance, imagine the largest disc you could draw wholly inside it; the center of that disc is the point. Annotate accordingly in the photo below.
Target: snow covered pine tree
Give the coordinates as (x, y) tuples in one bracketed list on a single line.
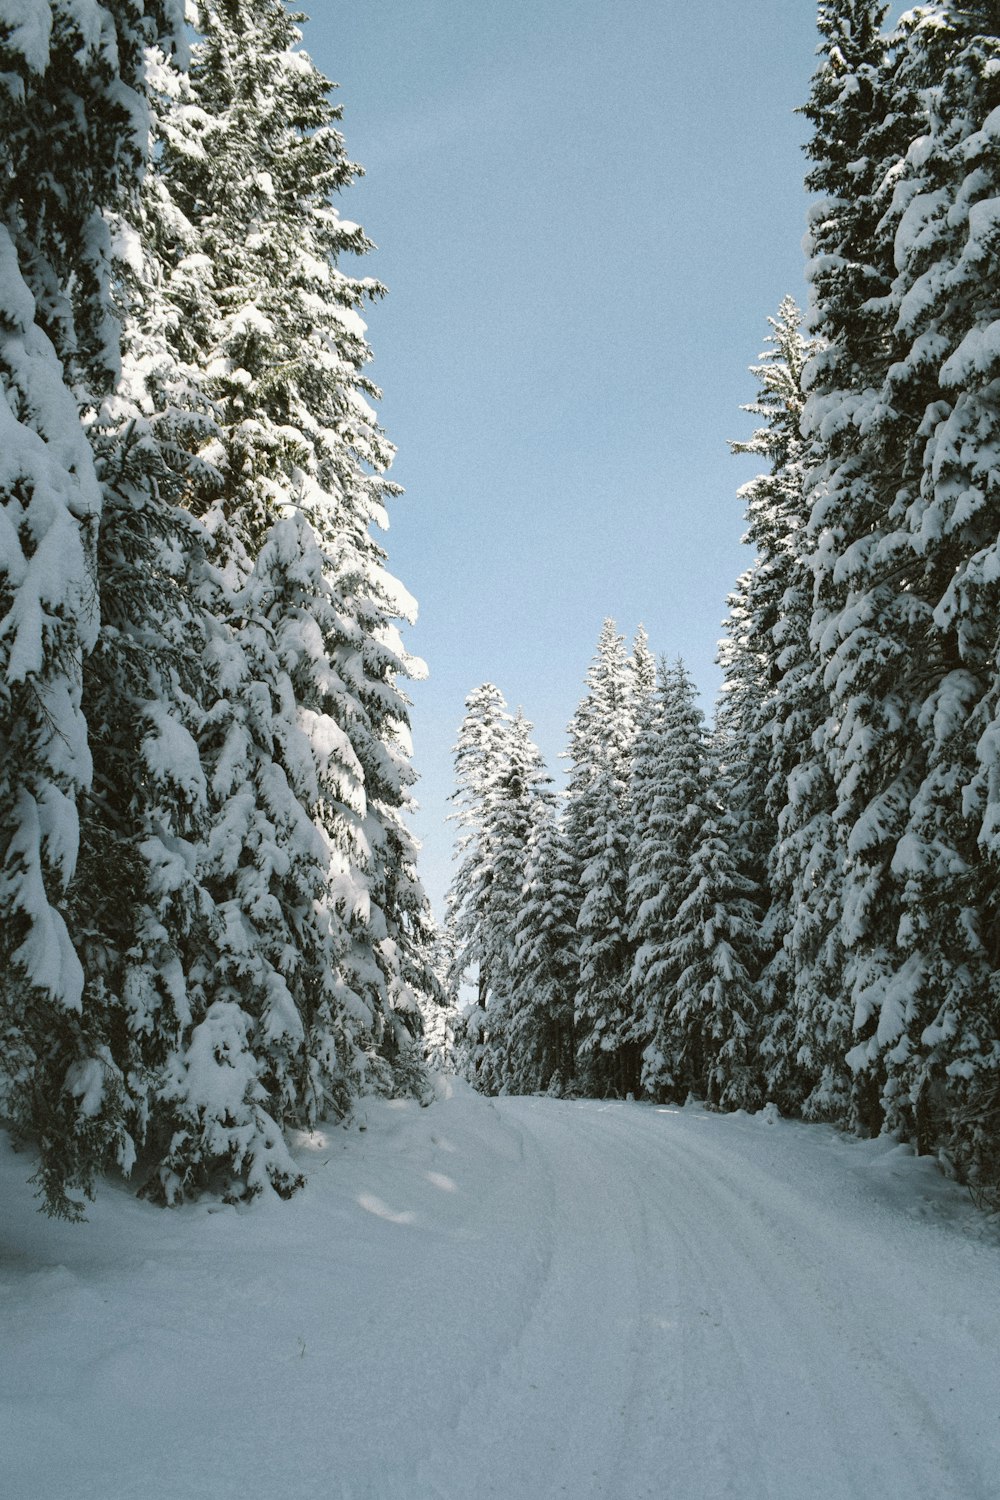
[(601, 739), (546, 965), (74, 130), (246, 906), (502, 793), (693, 926), (902, 409), (320, 938), (769, 727)]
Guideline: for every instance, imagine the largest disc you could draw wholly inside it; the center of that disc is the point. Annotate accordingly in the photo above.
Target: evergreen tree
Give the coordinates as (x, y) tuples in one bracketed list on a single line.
[(694, 927), (545, 966), (755, 652), (522, 797), (442, 1022), (75, 125), (771, 721), (601, 740), (711, 1028), (475, 937), (654, 861), (669, 773), (900, 410), (502, 790), (866, 620), (244, 941), (320, 927), (936, 1006), (151, 932), (643, 665)]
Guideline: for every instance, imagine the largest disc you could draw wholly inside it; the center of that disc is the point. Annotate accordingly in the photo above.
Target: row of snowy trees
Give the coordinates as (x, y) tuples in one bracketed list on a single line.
[(210, 922), (872, 771), (816, 919), (607, 935)]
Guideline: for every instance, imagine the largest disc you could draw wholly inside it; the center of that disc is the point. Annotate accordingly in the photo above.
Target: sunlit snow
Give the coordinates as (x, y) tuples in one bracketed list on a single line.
[(520, 1298)]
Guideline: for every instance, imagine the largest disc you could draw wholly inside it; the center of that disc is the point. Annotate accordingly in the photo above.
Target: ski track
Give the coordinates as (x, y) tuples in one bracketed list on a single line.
[(810, 1398), (541, 1423), (525, 1298), (739, 1338)]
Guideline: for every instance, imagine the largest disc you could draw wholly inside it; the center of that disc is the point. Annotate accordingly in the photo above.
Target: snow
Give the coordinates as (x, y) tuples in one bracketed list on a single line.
[(523, 1298), (27, 26), (977, 354), (46, 953), (171, 755)]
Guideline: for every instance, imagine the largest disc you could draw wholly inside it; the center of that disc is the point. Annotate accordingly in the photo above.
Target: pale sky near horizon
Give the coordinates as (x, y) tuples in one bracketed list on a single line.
[(585, 214)]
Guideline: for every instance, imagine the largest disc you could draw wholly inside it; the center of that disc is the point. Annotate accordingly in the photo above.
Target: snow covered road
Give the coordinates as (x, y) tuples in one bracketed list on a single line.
[(522, 1298)]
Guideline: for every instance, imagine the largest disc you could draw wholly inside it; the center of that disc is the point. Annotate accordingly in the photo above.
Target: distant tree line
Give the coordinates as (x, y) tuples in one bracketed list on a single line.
[(804, 904)]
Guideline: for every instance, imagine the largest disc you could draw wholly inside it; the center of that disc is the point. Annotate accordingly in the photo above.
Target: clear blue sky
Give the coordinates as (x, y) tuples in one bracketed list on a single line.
[(585, 214)]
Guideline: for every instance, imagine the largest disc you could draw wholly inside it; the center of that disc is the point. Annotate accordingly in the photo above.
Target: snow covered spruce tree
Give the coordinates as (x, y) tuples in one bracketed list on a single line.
[(901, 410), (148, 927), (245, 905), (769, 730), (643, 665), (475, 939), (938, 1023), (601, 736), (523, 799), (502, 791), (754, 651), (319, 938), (651, 896), (712, 1024), (75, 132), (864, 614), (541, 1045), (439, 1007), (694, 928)]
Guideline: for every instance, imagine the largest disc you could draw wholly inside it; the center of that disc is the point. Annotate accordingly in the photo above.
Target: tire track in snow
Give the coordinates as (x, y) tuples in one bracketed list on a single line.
[(550, 1412), (787, 1347), (535, 1204), (838, 1273), (700, 1329), (523, 1298)]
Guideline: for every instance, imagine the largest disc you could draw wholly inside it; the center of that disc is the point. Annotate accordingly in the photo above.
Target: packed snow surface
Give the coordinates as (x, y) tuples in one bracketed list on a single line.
[(520, 1298)]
